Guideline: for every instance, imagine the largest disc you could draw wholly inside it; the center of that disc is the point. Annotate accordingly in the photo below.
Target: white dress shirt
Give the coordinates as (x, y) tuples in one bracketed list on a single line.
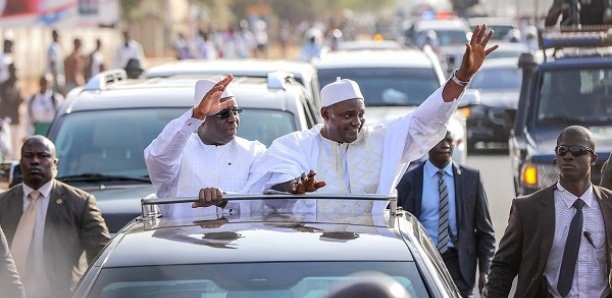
[(124, 53), (36, 282), (590, 277), (179, 164), (42, 108)]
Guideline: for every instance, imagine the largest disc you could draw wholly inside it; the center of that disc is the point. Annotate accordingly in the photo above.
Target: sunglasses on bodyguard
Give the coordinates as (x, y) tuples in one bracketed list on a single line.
[(576, 150), (226, 113)]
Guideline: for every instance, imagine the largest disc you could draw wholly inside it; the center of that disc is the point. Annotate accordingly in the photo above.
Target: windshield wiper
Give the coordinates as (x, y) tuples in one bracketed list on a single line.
[(92, 177)]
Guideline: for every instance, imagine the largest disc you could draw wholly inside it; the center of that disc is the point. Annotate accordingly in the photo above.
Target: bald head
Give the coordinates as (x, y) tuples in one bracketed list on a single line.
[(38, 161)]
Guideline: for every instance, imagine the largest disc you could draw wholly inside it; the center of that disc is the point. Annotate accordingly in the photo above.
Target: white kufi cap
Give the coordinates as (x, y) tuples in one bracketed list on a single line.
[(203, 86), (338, 91)]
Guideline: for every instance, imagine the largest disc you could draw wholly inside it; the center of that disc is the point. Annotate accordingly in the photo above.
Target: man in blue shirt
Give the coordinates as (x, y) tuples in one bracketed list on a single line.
[(450, 201)]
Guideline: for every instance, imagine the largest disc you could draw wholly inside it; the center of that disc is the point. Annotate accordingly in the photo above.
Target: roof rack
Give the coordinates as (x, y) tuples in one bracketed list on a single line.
[(278, 79), (103, 79), (150, 210), (574, 37)]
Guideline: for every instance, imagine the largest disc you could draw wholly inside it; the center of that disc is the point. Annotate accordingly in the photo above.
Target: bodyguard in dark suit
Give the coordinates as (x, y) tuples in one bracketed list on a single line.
[(559, 239), (10, 284), (464, 235), (49, 225)]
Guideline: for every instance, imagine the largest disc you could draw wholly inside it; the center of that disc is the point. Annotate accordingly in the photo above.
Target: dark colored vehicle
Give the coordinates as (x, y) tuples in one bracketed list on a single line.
[(572, 88), (499, 83), (269, 255)]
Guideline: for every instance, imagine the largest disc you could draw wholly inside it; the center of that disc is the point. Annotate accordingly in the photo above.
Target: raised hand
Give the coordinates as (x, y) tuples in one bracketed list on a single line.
[(211, 102), (475, 53), (306, 183)]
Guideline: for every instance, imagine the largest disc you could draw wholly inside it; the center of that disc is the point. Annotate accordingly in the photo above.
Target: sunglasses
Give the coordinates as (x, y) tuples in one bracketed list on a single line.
[(576, 150), (226, 113)]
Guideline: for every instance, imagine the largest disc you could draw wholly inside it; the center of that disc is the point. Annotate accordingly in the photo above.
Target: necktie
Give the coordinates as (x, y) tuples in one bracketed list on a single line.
[(570, 254), (443, 211), (23, 236)]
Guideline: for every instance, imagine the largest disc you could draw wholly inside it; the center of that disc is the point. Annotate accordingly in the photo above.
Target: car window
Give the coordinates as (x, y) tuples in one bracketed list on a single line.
[(269, 280), (112, 142), (387, 86), (497, 78), (575, 96), (265, 125), (108, 142)]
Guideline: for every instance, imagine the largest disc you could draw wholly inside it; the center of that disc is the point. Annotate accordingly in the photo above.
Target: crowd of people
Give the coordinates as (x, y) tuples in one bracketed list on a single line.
[(555, 241), (61, 74)]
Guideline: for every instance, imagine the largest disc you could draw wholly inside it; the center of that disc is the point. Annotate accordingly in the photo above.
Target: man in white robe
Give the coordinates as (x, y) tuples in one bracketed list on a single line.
[(201, 149), (348, 157)]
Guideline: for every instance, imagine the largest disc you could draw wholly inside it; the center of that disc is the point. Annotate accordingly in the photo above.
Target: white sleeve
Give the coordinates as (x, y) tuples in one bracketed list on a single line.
[(163, 155), (428, 125)]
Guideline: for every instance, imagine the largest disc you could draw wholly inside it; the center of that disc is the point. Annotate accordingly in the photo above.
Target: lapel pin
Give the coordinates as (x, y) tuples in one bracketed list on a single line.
[(59, 201)]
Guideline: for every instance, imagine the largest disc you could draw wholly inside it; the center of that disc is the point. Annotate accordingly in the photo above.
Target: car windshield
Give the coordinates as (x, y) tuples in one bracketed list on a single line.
[(497, 79), (576, 96), (387, 86), (269, 280), (110, 143)]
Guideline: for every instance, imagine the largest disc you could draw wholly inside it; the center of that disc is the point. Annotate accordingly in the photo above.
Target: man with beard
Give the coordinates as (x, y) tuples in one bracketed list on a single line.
[(200, 149), (450, 201), (558, 239), (49, 225)]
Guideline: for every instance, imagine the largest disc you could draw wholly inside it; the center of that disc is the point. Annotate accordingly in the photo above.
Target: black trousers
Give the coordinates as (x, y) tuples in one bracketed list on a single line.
[(451, 259)]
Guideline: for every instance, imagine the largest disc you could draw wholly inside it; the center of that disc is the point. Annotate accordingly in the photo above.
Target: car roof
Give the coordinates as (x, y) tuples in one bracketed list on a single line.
[(375, 59), (176, 92), (501, 63), (442, 24), (360, 45), (246, 68), (254, 238)]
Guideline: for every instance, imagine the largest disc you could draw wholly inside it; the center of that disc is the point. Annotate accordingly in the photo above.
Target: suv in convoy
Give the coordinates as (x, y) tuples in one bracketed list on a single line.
[(265, 254), (573, 87), (101, 131), (394, 83), (303, 73)]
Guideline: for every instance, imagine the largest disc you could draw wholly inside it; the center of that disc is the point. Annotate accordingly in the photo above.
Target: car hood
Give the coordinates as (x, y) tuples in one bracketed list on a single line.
[(119, 198), (546, 139), (503, 99)]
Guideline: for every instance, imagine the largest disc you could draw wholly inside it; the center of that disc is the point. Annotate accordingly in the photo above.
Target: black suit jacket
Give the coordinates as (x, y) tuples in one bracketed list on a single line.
[(475, 235), (10, 285), (525, 246), (74, 226)]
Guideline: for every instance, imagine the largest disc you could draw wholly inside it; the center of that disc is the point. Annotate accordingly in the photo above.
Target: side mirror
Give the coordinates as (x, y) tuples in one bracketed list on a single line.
[(471, 97), (10, 174)]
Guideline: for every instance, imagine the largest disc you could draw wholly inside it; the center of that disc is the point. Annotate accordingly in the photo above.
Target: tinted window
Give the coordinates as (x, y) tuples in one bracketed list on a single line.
[(497, 78), (269, 280), (112, 142), (387, 86), (578, 96)]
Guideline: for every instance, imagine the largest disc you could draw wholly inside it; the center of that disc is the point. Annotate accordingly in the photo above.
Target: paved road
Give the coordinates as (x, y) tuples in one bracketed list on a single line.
[(497, 179)]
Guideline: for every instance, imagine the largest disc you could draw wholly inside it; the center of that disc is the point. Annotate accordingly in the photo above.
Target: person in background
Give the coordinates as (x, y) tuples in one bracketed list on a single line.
[(10, 93), (203, 47), (557, 240), (128, 49), (42, 107), (313, 49), (74, 67), (49, 225), (451, 203), (95, 62), (181, 47), (6, 58), (54, 62)]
